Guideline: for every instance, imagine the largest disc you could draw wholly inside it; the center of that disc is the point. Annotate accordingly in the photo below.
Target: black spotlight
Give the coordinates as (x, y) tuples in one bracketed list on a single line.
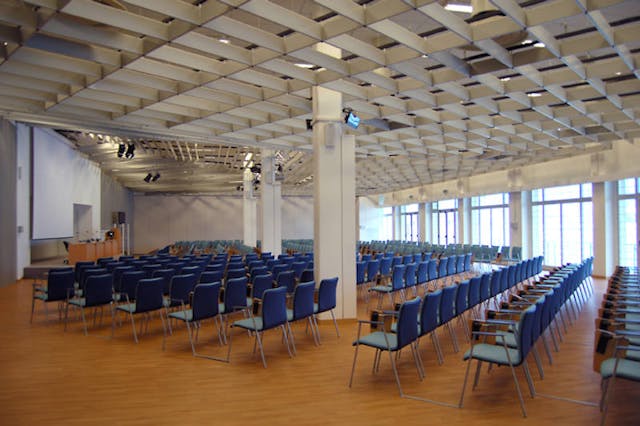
[(121, 149), (309, 124), (155, 177), (131, 148), (148, 177)]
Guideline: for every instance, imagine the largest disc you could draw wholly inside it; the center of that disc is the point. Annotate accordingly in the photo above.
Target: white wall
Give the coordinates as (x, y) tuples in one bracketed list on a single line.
[(159, 220), (370, 219)]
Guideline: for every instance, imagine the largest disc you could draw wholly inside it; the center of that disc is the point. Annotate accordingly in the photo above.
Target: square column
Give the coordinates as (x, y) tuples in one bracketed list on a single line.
[(271, 239), (604, 230), (250, 228), (334, 243)]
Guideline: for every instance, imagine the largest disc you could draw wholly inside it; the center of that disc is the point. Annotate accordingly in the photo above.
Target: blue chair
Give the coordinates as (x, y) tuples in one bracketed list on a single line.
[(148, 298), (287, 280), (432, 273), (98, 292), (298, 268), (326, 301), (381, 341), (307, 275), (260, 284), (428, 322), (128, 284), (422, 275), (204, 305), (448, 312), (462, 305), (279, 268), (501, 354), (410, 277), (303, 307), (236, 273), (179, 292), (235, 298), (397, 284), (360, 277), (60, 288), (211, 277), (274, 315), (166, 274), (443, 270)]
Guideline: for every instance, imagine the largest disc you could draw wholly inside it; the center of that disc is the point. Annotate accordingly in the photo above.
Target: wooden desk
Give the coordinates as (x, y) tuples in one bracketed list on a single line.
[(92, 251)]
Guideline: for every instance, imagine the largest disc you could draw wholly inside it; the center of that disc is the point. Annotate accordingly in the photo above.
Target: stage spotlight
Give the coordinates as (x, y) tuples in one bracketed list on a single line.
[(155, 177), (148, 177), (130, 151), (121, 149), (351, 119)]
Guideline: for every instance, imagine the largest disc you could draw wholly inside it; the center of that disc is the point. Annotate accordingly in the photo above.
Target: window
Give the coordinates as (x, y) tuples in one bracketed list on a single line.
[(628, 211), (562, 219), (444, 219), (490, 220), (409, 229)]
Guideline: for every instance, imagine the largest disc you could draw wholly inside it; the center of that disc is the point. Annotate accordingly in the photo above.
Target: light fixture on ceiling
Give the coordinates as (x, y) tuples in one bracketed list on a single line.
[(462, 8), (155, 177), (539, 45), (121, 150), (505, 79), (304, 65), (148, 177), (351, 118), (534, 94), (224, 40)]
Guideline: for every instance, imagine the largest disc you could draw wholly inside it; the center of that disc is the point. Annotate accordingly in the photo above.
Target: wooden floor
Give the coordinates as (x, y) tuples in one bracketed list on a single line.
[(51, 377)]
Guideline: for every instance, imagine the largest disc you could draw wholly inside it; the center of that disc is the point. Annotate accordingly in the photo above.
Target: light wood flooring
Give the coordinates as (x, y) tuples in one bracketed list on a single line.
[(49, 377)]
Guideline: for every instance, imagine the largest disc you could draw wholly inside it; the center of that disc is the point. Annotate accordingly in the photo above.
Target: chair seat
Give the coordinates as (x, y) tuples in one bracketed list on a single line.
[(41, 296), (377, 340), (627, 369), (493, 353), (127, 307), (80, 301), (186, 316), (248, 323), (382, 288)]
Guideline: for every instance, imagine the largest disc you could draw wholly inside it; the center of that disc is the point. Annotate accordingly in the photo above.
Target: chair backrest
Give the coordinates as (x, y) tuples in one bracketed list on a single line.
[(274, 307), (432, 270), (260, 284), (211, 276), (307, 274), (327, 294), (496, 282), (129, 282), (215, 267), (166, 274), (474, 291), (204, 303), (235, 294), (408, 322), (286, 279), (98, 290), (277, 269), (525, 331), (181, 286), (150, 268), (195, 270), (360, 268), (430, 312), (236, 273), (467, 261), (385, 266), (149, 294), (60, 285), (460, 263), (373, 269), (410, 274), (442, 267), (303, 300), (80, 266), (407, 258), (397, 277), (421, 274), (298, 268), (485, 286), (462, 297), (447, 304), (504, 280), (451, 265), (86, 273)]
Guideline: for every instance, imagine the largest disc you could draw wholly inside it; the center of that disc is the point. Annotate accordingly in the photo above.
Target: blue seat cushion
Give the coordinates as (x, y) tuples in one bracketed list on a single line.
[(186, 315), (493, 353), (127, 307), (377, 340), (254, 323), (80, 301)]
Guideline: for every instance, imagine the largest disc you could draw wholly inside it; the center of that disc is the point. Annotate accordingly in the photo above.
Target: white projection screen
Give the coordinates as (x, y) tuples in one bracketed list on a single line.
[(61, 177)]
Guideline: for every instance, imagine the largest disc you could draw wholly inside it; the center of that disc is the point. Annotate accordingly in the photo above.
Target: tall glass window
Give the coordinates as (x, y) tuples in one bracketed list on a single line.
[(387, 223), (563, 223), (409, 228), (444, 222), (628, 211), (490, 220)]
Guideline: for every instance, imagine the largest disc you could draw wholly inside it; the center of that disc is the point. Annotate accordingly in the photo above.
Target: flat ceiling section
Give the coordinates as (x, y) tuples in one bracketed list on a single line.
[(442, 95)]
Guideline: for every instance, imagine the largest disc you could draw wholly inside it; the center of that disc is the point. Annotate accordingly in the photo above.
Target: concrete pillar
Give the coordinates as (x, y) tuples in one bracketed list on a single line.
[(271, 238), (250, 227), (464, 221), (515, 218), (428, 222), (334, 199), (422, 223), (604, 229), (526, 224)]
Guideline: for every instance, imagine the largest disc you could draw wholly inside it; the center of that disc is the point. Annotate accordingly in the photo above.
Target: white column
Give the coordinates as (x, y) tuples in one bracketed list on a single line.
[(428, 223), (249, 210), (271, 205), (464, 221), (526, 224), (604, 217), (334, 199), (422, 221), (515, 218)]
